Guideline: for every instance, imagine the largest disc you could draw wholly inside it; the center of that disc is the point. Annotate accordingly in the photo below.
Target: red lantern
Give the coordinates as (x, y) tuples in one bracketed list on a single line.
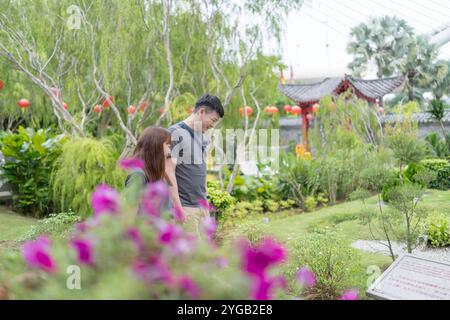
[(296, 110), (267, 109), (108, 101), (65, 106), (310, 117), (131, 110), (24, 103), (248, 111), (287, 108), (274, 110), (97, 108), (315, 107), (144, 104), (1, 84)]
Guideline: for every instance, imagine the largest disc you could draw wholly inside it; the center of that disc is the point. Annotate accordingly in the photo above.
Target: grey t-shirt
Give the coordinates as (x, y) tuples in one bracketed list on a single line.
[(189, 147)]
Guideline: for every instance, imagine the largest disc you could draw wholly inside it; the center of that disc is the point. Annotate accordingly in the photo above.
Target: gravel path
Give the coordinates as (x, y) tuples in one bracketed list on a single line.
[(440, 254)]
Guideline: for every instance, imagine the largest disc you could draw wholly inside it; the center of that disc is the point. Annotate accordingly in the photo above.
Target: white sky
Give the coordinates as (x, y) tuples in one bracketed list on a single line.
[(316, 36)]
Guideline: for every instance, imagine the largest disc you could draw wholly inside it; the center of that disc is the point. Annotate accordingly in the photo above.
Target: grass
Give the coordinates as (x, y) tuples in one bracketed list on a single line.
[(292, 226), (12, 227)]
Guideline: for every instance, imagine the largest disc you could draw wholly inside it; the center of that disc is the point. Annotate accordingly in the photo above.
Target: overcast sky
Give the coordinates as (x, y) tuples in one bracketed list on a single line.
[(317, 35)]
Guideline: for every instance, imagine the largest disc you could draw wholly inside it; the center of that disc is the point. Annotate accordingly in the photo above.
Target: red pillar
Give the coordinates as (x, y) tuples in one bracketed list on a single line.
[(306, 108)]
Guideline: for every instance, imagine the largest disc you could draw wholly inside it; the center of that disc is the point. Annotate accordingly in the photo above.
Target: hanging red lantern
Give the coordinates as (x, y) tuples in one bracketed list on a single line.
[(274, 110), (23, 103), (97, 108), (287, 108), (131, 110), (268, 109), (296, 110), (310, 117), (248, 111), (315, 107), (1, 84), (143, 105), (108, 101)]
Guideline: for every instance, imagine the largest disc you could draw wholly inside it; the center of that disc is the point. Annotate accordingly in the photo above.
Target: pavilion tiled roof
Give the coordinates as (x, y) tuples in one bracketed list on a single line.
[(314, 92), (420, 117)]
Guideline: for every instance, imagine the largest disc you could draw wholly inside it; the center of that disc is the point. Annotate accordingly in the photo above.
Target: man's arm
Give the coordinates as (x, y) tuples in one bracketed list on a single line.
[(173, 188)]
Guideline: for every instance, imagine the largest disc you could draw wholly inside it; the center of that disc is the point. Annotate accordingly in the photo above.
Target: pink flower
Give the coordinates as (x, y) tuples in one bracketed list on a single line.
[(351, 294), (132, 163), (82, 227), (105, 200), (135, 235), (305, 277), (169, 233), (37, 254), (257, 259), (155, 269), (262, 288), (84, 249), (175, 240), (155, 196), (178, 214), (203, 203), (209, 226), (189, 286), (222, 262)]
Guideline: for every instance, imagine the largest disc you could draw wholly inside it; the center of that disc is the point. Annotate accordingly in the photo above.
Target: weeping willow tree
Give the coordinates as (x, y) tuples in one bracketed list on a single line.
[(84, 163)]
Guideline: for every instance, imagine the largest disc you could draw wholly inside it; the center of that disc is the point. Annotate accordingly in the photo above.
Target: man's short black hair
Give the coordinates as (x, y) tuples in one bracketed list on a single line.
[(211, 103)]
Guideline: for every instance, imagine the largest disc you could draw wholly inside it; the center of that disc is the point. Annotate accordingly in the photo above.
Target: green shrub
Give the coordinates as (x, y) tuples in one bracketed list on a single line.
[(442, 169), (254, 232), (59, 225), (220, 199), (310, 203), (271, 205), (239, 211), (331, 259), (29, 158), (437, 230), (83, 164)]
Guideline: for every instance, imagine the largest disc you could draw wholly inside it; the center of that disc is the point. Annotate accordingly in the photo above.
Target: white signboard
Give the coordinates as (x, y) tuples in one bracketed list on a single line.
[(413, 278)]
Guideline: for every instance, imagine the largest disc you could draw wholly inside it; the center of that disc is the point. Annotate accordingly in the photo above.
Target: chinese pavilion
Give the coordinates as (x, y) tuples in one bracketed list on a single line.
[(306, 95)]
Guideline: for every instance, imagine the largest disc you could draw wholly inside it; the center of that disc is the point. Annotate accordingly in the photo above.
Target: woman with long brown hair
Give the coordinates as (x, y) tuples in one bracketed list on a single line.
[(153, 148)]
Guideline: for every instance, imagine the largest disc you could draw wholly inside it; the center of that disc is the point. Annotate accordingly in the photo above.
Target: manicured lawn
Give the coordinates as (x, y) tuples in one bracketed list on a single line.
[(344, 219), (12, 227)]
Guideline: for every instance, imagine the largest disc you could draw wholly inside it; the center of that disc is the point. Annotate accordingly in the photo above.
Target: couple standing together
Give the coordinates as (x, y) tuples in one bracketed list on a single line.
[(177, 156)]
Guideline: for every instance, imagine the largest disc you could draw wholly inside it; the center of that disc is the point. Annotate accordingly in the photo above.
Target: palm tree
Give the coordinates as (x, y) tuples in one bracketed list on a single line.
[(440, 84), (420, 65), (381, 41)]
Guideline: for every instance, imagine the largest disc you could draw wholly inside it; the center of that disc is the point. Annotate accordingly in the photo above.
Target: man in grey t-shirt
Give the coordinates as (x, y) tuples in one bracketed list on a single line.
[(189, 150)]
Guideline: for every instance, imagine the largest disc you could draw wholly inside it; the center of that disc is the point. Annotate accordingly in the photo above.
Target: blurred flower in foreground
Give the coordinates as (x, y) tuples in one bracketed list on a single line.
[(37, 254), (351, 294), (305, 277), (105, 200), (132, 164), (203, 203), (154, 197), (84, 249)]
